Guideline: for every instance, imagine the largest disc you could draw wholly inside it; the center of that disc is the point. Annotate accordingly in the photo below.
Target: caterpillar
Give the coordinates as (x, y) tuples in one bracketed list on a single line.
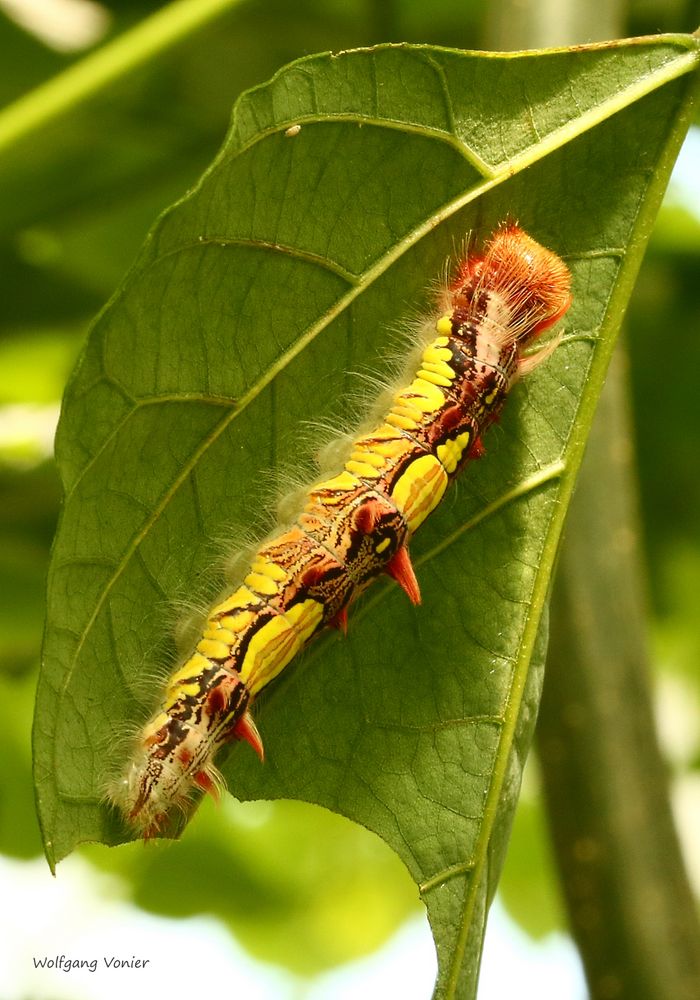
[(353, 526)]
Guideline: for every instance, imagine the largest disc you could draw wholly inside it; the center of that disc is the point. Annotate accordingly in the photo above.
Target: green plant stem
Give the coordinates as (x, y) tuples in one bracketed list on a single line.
[(115, 59), (629, 903)]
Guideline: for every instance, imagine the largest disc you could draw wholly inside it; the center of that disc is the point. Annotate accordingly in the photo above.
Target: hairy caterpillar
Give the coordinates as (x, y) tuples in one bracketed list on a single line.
[(353, 526)]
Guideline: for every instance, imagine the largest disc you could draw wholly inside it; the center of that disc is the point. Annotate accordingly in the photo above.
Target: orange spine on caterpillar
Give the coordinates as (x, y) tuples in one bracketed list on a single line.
[(353, 526)]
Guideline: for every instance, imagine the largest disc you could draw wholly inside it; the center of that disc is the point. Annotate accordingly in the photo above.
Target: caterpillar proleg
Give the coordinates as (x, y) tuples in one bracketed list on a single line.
[(353, 526)]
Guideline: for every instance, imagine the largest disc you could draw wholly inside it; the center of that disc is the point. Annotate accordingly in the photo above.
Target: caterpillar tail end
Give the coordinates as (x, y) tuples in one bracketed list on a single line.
[(401, 569), (245, 729)]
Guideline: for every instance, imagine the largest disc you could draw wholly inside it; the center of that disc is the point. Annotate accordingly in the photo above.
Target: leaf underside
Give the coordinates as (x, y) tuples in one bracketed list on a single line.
[(248, 318)]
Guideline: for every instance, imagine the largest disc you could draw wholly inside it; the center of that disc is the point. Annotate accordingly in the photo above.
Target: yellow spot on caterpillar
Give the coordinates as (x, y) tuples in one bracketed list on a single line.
[(420, 397), (444, 325), (270, 650), (213, 650), (362, 469), (434, 396), (269, 568), (437, 353), (402, 421), (420, 489), (383, 545), (305, 617), (220, 634), (183, 690), (380, 445), (450, 453), (239, 622), (370, 455), (277, 642), (240, 599), (261, 584), (440, 374), (405, 409), (345, 481), (384, 440), (194, 666), (184, 681), (385, 433), (394, 448)]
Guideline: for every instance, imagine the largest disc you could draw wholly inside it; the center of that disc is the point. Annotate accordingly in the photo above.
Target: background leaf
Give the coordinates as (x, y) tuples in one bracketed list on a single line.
[(251, 305)]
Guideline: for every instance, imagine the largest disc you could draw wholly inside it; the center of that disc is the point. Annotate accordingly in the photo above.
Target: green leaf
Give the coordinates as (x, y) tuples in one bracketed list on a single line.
[(250, 310)]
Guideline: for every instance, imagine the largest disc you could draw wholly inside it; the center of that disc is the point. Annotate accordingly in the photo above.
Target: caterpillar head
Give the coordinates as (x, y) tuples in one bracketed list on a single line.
[(532, 283)]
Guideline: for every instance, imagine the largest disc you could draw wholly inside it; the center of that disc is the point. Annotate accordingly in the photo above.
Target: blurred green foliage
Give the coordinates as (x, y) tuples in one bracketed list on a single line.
[(75, 202), (295, 883)]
